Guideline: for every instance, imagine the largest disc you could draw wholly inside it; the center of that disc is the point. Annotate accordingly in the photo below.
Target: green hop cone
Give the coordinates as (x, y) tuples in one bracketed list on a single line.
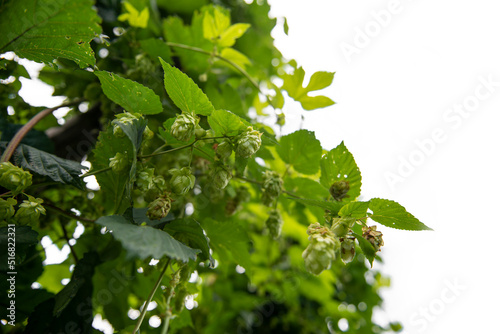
[(159, 208), (7, 208), (184, 126), (29, 211), (248, 143), (274, 224), (148, 134), (341, 226), (14, 178), (200, 132), (220, 175), (144, 180), (321, 251), (224, 150), (339, 190), (182, 180), (123, 118), (373, 236), (271, 187), (347, 250), (118, 162)]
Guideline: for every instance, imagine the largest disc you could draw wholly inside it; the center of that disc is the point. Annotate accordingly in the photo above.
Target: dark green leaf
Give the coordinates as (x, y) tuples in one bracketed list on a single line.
[(139, 217), (145, 241), (333, 207), (43, 30), (339, 165), (367, 248), (190, 232), (302, 150), (156, 48), (186, 95), (130, 95), (392, 214), (46, 164)]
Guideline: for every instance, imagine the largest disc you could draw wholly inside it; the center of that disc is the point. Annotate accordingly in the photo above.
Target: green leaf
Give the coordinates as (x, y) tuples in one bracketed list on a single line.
[(333, 207), (184, 92), (139, 217), (393, 214), (225, 123), (231, 34), (293, 84), (46, 164), (145, 241), (240, 164), (214, 25), (367, 248), (355, 210), (156, 48), (130, 95), (234, 56), (134, 17), (43, 30), (306, 188), (302, 150), (229, 240), (189, 230), (339, 165)]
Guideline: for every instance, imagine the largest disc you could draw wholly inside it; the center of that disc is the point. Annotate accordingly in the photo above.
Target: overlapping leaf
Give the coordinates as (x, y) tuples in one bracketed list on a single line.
[(225, 123), (43, 30), (302, 150)]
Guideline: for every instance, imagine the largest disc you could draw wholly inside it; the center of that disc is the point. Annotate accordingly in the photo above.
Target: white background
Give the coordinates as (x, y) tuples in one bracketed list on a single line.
[(412, 67)]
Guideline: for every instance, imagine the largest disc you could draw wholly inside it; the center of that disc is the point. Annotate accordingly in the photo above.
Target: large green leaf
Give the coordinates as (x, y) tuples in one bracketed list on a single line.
[(354, 209), (225, 123), (190, 231), (393, 214), (302, 150), (145, 241), (339, 165), (293, 84), (184, 92), (132, 96), (46, 164), (229, 240), (43, 30)]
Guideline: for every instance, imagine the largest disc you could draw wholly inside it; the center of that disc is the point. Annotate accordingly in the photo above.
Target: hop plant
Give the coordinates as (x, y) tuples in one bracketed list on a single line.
[(118, 162), (200, 132), (274, 224), (220, 175), (123, 118), (248, 143), (29, 211), (339, 190), (224, 150), (184, 126), (321, 250), (182, 180), (148, 134), (271, 188), (14, 178), (159, 208), (340, 226), (144, 180), (347, 250), (7, 208), (373, 236)]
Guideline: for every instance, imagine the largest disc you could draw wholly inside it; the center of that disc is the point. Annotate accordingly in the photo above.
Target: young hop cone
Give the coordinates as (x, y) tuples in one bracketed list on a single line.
[(118, 162), (220, 175), (224, 150), (14, 178), (272, 187), (321, 251), (159, 208), (144, 180), (182, 180), (123, 118), (347, 250), (274, 224), (248, 143), (29, 211), (184, 126), (7, 208)]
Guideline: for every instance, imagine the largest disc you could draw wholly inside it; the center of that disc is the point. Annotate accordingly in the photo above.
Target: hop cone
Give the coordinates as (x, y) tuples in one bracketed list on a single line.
[(373, 236), (274, 224), (184, 126), (14, 178), (347, 250), (159, 208), (248, 143), (29, 211), (182, 180), (7, 208), (220, 175), (321, 250)]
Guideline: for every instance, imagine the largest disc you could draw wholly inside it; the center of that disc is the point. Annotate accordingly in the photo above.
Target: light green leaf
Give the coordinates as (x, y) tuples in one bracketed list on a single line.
[(293, 84), (231, 34), (184, 92), (190, 231), (46, 164), (214, 25), (134, 17), (131, 95), (302, 150), (339, 165), (393, 214), (355, 210), (229, 240), (236, 57), (367, 248), (145, 241), (43, 30), (225, 123)]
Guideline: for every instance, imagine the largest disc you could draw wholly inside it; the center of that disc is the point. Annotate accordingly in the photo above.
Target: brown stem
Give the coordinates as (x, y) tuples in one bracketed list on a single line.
[(28, 126)]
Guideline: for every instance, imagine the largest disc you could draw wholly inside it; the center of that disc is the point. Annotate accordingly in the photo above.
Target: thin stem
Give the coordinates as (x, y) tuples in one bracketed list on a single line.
[(28, 126), (150, 297), (168, 316), (167, 151), (230, 62), (67, 214), (65, 234), (94, 172)]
